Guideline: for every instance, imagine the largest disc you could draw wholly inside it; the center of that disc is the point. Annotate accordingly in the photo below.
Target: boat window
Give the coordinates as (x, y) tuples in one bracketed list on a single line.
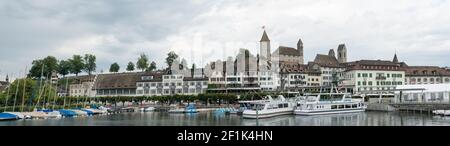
[(341, 106), (333, 106), (286, 105), (257, 106), (280, 105), (354, 105), (348, 106)]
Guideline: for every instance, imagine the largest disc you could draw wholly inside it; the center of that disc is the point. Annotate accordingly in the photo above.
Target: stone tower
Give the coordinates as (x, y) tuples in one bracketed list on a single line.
[(265, 47), (342, 53), (300, 50), (332, 53)]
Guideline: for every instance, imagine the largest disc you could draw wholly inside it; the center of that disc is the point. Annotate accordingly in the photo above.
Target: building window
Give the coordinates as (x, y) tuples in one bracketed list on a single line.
[(359, 75)]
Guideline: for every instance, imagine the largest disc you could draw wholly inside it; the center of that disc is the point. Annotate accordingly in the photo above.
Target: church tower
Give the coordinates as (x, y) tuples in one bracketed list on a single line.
[(300, 50), (332, 53), (342, 53), (265, 47), (7, 79)]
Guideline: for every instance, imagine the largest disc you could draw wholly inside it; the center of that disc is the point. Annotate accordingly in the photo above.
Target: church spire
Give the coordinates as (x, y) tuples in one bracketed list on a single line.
[(395, 60), (265, 38)]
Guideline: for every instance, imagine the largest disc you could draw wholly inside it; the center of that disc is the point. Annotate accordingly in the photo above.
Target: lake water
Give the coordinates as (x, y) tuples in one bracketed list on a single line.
[(213, 119)]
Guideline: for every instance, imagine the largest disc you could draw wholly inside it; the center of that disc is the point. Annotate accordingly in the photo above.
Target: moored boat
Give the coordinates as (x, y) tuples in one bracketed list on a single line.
[(329, 103), (8, 116), (269, 108)]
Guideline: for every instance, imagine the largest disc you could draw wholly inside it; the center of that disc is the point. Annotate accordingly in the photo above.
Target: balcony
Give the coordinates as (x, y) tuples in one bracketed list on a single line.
[(380, 78)]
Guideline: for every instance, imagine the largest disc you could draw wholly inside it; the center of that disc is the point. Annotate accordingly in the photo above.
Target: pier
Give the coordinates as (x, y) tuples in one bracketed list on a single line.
[(427, 107)]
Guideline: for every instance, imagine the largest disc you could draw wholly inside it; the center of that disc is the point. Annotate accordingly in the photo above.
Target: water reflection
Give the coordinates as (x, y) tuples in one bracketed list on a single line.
[(220, 119)]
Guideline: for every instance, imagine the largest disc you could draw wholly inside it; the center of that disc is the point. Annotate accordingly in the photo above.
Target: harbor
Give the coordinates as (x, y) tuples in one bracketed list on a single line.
[(213, 119)]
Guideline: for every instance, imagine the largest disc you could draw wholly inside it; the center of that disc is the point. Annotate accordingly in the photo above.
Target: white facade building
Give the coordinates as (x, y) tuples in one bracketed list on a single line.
[(423, 93), (369, 75)]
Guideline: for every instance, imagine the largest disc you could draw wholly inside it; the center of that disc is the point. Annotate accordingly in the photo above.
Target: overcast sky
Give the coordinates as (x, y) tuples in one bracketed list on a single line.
[(206, 30)]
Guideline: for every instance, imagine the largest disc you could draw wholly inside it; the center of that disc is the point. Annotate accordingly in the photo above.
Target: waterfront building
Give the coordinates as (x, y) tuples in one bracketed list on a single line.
[(116, 84), (417, 75), (424, 93), (330, 68), (160, 83), (300, 78), (245, 73), (373, 75), (77, 86)]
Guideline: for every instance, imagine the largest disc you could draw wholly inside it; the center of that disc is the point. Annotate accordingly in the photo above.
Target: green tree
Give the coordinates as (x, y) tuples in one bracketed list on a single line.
[(46, 66), (63, 68), (152, 66), (142, 62), (171, 56), (76, 64), (130, 66), (90, 64), (17, 93), (114, 67)]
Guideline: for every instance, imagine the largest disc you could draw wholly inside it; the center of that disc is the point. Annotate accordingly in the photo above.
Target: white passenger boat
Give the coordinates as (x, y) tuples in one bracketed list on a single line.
[(269, 108), (329, 103), (442, 112)]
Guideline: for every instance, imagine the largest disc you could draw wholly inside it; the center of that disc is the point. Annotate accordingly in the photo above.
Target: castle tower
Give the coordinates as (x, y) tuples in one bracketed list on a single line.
[(332, 53), (300, 50), (265, 47), (342, 53)]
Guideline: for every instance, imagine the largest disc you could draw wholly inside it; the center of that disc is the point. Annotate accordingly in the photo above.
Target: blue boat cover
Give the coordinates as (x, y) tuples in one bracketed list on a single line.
[(67, 113), (88, 112), (8, 116)]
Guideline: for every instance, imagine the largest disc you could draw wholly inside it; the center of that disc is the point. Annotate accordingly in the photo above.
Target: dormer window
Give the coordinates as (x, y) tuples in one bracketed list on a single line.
[(433, 72), (147, 78)]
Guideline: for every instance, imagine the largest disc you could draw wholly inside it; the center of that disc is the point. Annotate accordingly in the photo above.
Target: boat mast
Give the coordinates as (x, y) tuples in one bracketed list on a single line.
[(40, 86), (15, 95), (49, 88), (67, 92), (23, 95), (56, 95), (7, 96)]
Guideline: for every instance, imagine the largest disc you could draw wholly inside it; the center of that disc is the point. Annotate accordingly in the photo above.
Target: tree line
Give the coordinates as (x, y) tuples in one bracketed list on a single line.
[(75, 65), (143, 63)]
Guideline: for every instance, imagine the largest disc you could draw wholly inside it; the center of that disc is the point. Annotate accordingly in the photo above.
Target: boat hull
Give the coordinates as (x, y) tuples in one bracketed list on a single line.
[(326, 112), (266, 115)]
